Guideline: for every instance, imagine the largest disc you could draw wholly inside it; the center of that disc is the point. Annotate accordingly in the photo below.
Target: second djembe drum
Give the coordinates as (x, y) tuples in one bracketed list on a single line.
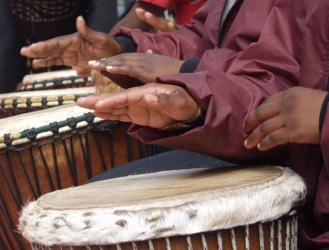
[(250, 208)]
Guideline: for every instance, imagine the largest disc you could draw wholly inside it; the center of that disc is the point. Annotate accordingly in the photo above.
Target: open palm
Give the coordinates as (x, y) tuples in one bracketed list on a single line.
[(73, 50), (153, 105)]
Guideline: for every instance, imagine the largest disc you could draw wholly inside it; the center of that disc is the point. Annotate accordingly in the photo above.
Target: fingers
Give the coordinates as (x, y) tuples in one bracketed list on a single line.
[(81, 72), (47, 62), (89, 102), (53, 47), (126, 64), (262, 113), (120, 99), (157, 23), (87, 33), (274, 139), (113, 117), (263, 130)]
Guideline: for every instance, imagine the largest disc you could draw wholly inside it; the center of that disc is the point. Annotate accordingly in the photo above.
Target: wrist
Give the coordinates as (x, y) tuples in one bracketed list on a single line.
[(323, 113), (195, 121), (125, 44)]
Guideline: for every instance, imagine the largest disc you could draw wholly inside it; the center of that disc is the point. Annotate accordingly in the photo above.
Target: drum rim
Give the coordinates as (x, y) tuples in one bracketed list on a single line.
[(62, 126), (36, 222)]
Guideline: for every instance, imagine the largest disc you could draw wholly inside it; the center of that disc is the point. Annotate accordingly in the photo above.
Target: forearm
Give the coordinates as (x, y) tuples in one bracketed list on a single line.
[(130, 20), (185, 43)]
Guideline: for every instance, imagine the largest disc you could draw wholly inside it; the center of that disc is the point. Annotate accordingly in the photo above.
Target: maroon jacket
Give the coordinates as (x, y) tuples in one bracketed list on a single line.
[(270, 46), (228, 82)]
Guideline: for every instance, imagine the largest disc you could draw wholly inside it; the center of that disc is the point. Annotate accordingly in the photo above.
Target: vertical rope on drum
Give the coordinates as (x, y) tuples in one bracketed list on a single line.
[(134, 246), (99, 149), (58, 177), (55, 129), (204, 242), (10, 223), (90, 120), (35, 172), (287, 234), (90, 173), (247, 237), (261, 237), (46, 168), (292, 235), (168, 245), (141, 149), (279, 234), (272, 235), (129, 147), (233, 239), (118, 247), (220, 241), (13, 177), (295, 236), (74, 131), (150, 243), (86, 158), (74, 163), (67, 155), (189, 243), (7, 183), (26, 174)]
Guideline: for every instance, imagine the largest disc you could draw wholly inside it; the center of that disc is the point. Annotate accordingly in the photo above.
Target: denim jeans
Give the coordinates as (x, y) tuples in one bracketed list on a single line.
[(171, 160)]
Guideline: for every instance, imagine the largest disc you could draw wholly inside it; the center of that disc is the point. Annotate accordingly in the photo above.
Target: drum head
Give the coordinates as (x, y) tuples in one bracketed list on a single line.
[(17, 128), (164, 204)]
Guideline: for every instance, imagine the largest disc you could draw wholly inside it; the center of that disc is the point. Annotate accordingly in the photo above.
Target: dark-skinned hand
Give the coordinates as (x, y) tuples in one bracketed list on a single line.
[(291, 116), (153, 105)]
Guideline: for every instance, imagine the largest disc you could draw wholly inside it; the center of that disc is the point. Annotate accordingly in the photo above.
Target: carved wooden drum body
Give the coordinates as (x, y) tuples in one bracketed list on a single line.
[(224, 208), (47, 150), (23, 102)]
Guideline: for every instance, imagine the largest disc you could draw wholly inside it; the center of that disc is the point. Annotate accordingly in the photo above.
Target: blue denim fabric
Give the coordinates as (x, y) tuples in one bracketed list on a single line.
[(172, 160)]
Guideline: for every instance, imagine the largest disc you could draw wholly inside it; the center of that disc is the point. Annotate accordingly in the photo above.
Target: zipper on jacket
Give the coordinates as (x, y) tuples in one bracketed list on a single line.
[(221, 28)]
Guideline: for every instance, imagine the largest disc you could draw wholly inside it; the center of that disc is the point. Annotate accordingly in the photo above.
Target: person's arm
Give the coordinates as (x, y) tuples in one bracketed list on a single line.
[(184, 43), (132, 21), (263, 69)]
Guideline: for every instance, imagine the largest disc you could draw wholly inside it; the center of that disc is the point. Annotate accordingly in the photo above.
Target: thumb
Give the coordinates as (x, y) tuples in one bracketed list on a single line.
[(85, 32)]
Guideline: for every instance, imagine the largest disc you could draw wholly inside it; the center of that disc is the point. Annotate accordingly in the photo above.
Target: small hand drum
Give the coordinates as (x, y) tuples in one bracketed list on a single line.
[(198, 209)]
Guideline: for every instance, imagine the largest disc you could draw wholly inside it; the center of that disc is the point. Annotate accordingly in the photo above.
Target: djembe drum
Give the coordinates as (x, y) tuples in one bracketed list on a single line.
[(56, 148), (222, 208), (53, 80), (23, 102)]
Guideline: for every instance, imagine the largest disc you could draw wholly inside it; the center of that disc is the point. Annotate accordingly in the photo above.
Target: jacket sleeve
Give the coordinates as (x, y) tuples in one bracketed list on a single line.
[(324, 130), (166, 4), (181, 44), (229, 85)]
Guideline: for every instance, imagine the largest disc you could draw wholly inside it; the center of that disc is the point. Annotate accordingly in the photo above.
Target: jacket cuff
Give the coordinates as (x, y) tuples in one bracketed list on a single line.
[(190, 65), (323, 112), (127, 44)]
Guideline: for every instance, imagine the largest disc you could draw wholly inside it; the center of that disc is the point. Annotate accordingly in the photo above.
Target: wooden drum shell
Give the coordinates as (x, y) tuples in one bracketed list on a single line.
[(30, 170)]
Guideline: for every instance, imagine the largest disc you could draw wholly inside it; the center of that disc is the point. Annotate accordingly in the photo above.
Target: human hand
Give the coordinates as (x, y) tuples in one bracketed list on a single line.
[(84, 73), (145, 67), (73, 50), (158, 24), (153, 105), (291, 116)]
